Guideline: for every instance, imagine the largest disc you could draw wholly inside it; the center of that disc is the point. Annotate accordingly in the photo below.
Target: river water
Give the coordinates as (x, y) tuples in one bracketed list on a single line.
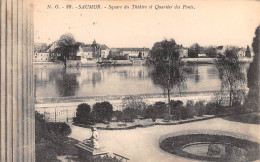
[(121, 80)]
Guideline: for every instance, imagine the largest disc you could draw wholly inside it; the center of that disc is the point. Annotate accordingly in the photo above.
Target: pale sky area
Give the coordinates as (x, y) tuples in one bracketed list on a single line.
[(210, 23)]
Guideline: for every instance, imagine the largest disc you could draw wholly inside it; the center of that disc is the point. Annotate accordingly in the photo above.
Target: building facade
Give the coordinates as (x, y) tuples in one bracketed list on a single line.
[(183, 52), (135, 52), (41, 57), (221, 50), (85, 53)]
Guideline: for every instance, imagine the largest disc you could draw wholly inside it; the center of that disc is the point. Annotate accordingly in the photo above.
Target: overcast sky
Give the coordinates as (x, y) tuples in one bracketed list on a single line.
[(210, 23)]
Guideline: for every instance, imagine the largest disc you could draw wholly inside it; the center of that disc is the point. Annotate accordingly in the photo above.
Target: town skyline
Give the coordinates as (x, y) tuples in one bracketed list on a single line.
[(116, 29)]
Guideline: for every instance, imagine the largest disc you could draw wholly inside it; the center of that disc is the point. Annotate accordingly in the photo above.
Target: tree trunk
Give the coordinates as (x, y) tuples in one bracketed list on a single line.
[(169, 99), (65, 62), (230, 96)]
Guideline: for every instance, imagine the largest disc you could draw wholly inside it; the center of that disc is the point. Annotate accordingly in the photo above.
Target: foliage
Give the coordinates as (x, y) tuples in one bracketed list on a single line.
[(168, 72), (50, 131), (129, 114), (102, 112), (49, 138), (83, 114), (220, 97), (134, 102), (211, 52), (194, 50), (133, 106), (118, 115), (161, 109), (65, 46), (211, 108), (150, 112), (199, 108), (253, 74), (231, 53), (171, 76), (248, 52), (166, 50), (231, 75), (176, 109)]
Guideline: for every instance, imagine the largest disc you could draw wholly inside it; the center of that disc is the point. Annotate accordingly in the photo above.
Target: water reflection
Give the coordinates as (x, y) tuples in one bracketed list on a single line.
[(125, 80)]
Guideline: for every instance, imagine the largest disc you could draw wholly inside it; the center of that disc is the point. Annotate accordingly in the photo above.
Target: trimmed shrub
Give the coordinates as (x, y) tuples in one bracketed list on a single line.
[(191, 109), (211, 108), (134, 102), (176, 109), (189, 103), (129, 114), (118, 115), (184, 112), (83, 115), (150, 112), (199, 108), (102, 112), (161, 109), (215, 109)]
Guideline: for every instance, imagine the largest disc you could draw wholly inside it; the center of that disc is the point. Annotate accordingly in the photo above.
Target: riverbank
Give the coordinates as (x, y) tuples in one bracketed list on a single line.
[(160, 96), (62, 111), (212, 60), (133, 62)]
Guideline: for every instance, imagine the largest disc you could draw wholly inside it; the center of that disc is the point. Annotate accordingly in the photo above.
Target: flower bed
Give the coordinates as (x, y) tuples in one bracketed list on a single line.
[(144, 123)]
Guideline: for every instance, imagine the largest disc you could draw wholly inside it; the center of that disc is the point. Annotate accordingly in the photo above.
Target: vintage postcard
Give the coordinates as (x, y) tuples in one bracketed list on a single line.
[(146, 81)]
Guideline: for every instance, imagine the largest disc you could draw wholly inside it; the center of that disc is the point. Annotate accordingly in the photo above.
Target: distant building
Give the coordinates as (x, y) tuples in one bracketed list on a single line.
[(53, 55), (221, 50), (40, 53), (85, 53), (241, 52), (41, 57), (183, 52), (202, 55), (202, 52), (135, 52), (104, 50)]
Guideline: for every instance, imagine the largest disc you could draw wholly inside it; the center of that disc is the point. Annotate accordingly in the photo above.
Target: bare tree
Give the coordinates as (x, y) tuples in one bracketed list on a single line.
[(231, 75)]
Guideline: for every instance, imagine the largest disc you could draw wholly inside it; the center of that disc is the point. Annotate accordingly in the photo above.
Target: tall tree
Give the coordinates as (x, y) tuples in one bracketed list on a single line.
[(253, 72), (248, 52), (211, 52), (164, 51), (169, 77), (231, 75), (194, 50), (168, 72), (231, 53), (66, 46)]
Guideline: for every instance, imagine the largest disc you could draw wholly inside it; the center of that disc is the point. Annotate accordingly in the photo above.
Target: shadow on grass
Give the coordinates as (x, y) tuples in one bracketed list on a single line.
[(251, 118)]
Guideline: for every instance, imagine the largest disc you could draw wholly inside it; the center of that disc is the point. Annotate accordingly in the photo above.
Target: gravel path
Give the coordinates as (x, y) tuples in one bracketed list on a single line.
[(141, 144)]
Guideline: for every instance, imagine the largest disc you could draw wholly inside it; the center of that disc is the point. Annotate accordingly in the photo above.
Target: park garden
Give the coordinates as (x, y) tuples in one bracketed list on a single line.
[(169, 73)]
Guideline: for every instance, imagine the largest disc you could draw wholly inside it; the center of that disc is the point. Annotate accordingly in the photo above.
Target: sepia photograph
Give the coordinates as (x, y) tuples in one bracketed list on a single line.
[(129, 81)]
